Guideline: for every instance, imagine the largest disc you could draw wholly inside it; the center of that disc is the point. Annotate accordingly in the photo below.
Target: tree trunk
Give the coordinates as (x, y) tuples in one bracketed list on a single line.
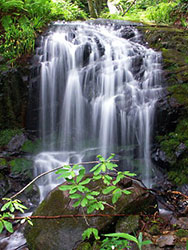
[(92, 8)]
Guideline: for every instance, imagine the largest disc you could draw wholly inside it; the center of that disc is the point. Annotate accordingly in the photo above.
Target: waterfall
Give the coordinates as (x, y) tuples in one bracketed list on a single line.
[(98, 89)]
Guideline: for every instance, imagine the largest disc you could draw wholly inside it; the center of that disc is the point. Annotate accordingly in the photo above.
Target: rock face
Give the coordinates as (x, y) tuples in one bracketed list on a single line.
[(13, 97), (63, 234)]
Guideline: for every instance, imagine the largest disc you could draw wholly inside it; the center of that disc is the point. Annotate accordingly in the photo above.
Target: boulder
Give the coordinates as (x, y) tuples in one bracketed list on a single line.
[(16, 142), (128, 224), (63, 234)]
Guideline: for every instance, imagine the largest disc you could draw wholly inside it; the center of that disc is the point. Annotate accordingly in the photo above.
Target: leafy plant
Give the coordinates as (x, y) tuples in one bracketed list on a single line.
[(139, 241), (114, 243), (90, 231), (7, 211), (77, 185)]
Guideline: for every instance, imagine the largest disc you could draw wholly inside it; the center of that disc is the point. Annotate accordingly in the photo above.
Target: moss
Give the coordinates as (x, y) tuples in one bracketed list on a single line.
[(182, 233), (31, 147), (180, 93), (155, 229), (3, 162), (84, 246), (21, 166), (7, 134)]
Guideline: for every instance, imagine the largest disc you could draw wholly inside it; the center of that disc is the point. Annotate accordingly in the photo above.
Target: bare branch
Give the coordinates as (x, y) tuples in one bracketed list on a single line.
[(50, 171)]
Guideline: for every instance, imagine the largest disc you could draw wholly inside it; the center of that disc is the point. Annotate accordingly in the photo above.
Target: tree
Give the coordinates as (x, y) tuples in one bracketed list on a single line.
[(96, 6)]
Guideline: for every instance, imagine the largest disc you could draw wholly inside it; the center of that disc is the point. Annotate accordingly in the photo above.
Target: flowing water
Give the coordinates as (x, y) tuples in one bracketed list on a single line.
[(98, 90)]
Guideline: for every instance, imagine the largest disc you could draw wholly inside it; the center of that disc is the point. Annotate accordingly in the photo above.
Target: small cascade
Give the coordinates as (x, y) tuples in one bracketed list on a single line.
[(98, 90)]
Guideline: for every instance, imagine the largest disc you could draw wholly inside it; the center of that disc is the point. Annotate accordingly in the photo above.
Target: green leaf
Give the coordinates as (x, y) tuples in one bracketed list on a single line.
[(103, 167), (126, 192), (140, 237), (81, 175), (147, 242), (65, 187), (90, 197), (116, 195), (100, 158), (8, 226), (95, 193), (65, 175), (86, 181), (111, 165), (97, 177), (108, 189), (123, 235), (77, 167), (84, 202), (87, 233), (95, 167), (75, 196), (73, 190), (96, 233), (30, 222), (77, 203), (128, 173), (101, 206), (98, 170), (81, 188), (61, 171), (112, 156), (90, 209), (1, 227), (6, 205)]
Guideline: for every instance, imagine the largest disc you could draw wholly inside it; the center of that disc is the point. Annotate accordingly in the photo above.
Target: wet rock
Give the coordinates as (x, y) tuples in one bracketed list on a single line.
[(180, 150), (182, 223), (64, 233), (166, 240), (16, 142), (127, 33), (4, 185), (128, 224)]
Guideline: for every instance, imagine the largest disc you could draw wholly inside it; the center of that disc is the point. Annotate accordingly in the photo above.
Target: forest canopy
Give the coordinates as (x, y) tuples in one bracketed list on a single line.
[(23, 20)]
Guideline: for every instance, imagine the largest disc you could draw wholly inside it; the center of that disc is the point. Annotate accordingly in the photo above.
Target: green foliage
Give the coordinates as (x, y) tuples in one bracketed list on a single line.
[(23, 20), (77, 185), (139, 241), (90, 231), (182, 233), (7, 211), (88, 198), (171, 143), (162, 12), (21, 166), (158, 11), (31, 146), (7, 134), (114, 243)]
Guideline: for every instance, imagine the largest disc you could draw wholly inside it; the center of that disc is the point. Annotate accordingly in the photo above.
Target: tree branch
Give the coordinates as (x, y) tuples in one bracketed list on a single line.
[(129, 7), (52, 170)]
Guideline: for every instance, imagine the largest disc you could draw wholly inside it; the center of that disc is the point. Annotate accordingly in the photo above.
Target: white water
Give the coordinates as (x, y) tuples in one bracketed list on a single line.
[(98, 95)]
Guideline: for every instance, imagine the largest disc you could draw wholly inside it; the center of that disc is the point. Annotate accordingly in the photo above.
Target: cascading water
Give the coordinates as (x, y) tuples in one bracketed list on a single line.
[(98, 95)]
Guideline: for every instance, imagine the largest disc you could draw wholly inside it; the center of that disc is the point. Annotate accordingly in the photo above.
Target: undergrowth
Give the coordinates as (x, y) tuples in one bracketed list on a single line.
[(21, 22)]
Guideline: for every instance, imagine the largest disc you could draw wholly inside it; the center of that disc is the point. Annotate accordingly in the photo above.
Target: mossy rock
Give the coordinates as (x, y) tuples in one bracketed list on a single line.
[(181, 233), (84, 246), (173, 44), (31, 147), (154, 229), (7, 134), (128, 224), (21, 166), (63, 234)]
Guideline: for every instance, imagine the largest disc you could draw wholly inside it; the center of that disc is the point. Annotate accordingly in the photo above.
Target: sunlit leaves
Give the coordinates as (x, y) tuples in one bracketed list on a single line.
[(90, 231)]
